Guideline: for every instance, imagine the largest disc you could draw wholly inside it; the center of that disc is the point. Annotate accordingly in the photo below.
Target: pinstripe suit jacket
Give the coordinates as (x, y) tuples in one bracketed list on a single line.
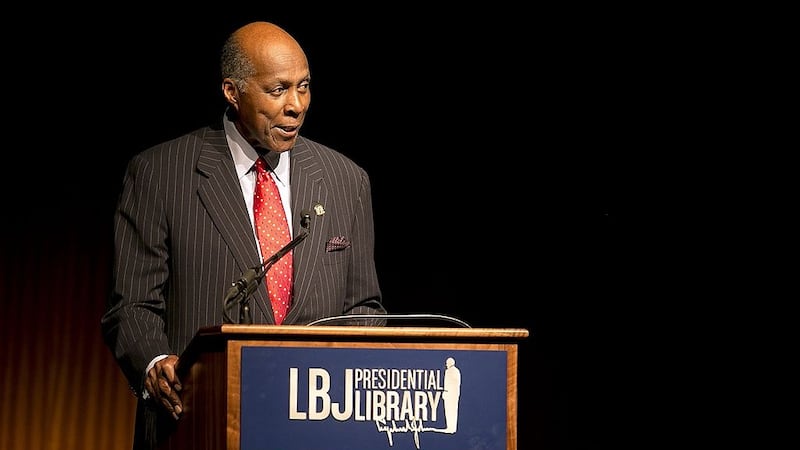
[(183, 235)]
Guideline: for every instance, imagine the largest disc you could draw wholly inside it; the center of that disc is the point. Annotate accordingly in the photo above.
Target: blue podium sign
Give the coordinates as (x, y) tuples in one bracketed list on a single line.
[(349, 396)]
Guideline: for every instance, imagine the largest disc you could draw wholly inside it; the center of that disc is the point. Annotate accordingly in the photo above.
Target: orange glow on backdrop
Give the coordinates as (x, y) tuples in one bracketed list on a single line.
[(60, 387)]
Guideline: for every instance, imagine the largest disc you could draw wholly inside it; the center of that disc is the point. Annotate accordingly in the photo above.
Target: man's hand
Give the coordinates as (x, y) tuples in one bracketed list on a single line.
[(164, 387)]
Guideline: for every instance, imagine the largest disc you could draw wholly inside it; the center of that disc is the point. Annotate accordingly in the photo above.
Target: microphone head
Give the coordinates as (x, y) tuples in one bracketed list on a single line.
[(305, 219)]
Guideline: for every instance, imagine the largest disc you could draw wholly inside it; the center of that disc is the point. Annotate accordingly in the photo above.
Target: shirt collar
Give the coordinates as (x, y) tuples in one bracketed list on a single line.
[(244, 155)]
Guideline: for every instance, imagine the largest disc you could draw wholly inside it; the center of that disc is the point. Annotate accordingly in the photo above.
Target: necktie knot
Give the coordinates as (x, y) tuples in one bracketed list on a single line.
[(261, 167)]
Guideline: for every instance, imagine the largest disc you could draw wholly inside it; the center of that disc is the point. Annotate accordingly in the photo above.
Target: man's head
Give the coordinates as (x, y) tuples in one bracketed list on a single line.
[(266, 82)]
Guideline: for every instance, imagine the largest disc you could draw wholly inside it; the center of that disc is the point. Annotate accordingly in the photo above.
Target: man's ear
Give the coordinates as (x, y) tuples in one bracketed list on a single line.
[(231, 92)]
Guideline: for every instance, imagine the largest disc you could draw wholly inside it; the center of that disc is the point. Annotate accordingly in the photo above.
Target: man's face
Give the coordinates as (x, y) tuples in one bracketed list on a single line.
[(273, 105)]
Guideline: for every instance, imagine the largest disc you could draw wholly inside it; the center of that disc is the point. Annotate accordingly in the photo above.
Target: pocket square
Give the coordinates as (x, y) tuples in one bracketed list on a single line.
[(337, 243)]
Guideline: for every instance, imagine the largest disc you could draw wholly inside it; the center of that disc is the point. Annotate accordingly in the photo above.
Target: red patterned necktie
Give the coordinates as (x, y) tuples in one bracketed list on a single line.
[(273, 233)]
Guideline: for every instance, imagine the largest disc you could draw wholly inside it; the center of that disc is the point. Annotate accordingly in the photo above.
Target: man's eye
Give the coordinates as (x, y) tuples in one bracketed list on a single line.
[(277, 91)]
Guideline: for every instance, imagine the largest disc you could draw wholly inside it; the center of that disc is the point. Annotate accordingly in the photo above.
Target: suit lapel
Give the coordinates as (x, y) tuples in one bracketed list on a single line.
[(222, 196), (307, 191)]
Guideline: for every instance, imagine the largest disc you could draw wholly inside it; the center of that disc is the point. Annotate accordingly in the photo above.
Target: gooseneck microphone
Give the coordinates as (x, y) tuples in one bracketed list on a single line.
[(241, 289)]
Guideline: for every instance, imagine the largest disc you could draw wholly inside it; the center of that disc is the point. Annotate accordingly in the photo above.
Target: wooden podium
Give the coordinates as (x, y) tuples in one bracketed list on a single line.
[(290, 387)]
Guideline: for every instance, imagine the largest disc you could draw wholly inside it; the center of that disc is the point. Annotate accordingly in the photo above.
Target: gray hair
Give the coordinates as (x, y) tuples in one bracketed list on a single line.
[(235, 64)]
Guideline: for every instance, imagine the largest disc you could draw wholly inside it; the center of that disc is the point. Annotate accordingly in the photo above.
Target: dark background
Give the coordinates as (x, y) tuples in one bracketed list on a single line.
[(493, 140)]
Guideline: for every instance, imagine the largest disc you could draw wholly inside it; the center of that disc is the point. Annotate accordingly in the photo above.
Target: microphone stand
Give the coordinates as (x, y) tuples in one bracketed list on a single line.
[(244, 311), (241, 289)]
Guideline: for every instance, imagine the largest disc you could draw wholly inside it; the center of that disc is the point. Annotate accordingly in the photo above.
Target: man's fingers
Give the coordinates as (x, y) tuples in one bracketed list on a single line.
[(163, 384), (167, 395), (151, 383), (164, 387)]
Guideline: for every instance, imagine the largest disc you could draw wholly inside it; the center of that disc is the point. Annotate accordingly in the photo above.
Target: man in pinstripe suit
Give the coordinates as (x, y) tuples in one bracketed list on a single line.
[(184, 227)]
